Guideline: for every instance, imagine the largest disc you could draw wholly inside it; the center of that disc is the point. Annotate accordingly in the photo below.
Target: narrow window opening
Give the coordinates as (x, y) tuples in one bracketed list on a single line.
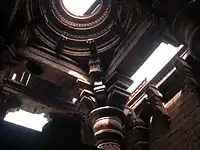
[(154, 64), (14, 76), (74, 100)]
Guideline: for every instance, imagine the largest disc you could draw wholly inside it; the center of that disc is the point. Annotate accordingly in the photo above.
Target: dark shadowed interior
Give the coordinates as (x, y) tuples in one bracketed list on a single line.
[(99, 74)]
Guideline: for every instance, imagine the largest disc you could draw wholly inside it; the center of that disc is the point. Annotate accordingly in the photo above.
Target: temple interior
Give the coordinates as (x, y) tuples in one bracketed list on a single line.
[(99, 74)]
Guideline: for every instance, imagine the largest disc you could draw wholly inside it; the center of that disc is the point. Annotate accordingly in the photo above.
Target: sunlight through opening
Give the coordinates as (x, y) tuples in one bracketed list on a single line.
[(78, 7), (74, 100), (26, 119), (154, 64)]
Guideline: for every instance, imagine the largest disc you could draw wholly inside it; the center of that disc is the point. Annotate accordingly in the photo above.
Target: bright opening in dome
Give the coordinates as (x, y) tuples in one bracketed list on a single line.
[(80, 7), (26, 119)]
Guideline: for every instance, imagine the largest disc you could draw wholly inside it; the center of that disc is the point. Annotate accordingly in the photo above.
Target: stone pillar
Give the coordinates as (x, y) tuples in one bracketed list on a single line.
[(107, 126), (160, 120), (107, 100), (137, 136), (136, 131)]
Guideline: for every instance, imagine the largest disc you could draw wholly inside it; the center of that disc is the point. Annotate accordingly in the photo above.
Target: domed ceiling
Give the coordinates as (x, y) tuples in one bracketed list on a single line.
[(106, 22)]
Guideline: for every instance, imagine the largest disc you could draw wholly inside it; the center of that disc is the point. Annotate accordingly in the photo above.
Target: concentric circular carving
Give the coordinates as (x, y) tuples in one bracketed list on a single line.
[(56, 27), (81, 23)]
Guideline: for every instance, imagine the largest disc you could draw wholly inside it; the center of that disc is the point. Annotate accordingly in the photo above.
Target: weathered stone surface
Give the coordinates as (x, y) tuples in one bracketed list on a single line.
[(184, 132)]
